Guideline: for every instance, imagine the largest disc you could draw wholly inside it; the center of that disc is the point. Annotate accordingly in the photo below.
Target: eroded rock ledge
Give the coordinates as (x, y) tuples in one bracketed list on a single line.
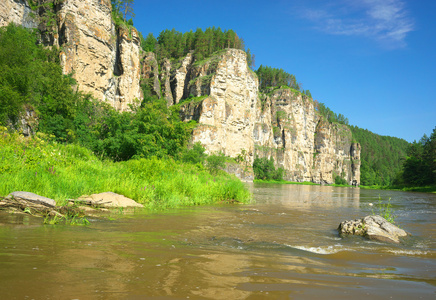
[(374, 228)]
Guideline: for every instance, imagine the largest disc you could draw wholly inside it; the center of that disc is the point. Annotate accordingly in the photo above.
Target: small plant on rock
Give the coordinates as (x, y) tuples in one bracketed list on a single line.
[(385, 210)]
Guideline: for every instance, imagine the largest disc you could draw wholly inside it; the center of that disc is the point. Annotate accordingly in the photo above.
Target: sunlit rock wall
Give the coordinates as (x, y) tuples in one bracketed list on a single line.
[(104, 61), (18, 12)]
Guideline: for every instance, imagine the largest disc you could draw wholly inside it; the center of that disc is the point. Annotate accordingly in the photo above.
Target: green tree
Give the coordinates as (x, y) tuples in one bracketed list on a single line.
[(123, 8), (419, 166), (149, 43)]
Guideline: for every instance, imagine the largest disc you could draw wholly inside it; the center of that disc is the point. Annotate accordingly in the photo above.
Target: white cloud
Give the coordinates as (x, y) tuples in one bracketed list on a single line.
[(386, 21)]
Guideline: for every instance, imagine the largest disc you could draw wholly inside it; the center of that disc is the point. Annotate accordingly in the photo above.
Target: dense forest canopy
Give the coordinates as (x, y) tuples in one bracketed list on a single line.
[(173, 44), (272, 77)]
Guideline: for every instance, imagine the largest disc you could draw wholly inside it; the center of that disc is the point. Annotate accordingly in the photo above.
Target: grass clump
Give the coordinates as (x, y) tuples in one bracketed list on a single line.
[(385, 210), (62, 172)]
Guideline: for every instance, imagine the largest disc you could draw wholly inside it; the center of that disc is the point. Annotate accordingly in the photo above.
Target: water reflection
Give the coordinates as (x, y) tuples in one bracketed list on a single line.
[(306, 196)]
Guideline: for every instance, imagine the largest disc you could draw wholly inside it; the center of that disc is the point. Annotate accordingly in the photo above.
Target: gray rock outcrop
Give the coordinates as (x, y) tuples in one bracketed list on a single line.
[(374, 228)]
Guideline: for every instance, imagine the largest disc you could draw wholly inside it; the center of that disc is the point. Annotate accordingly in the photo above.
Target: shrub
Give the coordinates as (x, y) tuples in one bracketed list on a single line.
[(194, 155), (264, 169), (339, 180), (215, 162)]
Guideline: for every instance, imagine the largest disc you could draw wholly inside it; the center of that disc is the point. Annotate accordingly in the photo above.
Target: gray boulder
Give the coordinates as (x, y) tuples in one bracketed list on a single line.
[(373, 228), (34, 198)]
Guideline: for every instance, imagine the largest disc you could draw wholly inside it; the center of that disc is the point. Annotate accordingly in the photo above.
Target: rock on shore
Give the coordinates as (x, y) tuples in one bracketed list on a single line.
[(34, 198), (110, 199)]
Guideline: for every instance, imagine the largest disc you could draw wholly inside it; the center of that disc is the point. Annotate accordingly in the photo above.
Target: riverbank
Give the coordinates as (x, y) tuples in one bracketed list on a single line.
[(422, 189), (284, 182), (300, 183), (62, 172), (426, 189)]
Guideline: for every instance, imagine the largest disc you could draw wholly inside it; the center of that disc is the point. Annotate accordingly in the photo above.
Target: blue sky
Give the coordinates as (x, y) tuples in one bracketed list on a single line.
[(374, 61)]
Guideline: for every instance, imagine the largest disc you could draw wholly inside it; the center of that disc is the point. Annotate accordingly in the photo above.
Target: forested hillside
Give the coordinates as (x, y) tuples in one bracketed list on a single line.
[(381, 157)]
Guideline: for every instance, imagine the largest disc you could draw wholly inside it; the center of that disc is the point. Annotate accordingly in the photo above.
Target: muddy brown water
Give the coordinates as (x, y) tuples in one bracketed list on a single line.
[(282, 246)]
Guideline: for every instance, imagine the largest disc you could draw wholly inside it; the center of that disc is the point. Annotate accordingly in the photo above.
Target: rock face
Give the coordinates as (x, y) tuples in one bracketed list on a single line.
[(18, 12), (104, 61), (302, 142), (374, 228), (238, 120), (226, 116), (150, 73)]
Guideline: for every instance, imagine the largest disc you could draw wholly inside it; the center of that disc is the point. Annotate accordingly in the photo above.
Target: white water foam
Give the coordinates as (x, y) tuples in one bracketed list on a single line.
[(322, 250), (408, 252)]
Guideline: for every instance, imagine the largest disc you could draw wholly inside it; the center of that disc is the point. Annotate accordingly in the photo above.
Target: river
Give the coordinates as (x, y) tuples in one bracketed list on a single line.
[(284, 245)]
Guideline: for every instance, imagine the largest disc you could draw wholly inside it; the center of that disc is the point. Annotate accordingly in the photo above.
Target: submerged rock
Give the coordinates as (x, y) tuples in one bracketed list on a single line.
[(31, 197), (110, 199), (374, 228)]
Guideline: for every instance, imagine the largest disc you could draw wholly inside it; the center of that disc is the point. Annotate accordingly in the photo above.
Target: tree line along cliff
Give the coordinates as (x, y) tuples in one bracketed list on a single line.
[(237, 112)]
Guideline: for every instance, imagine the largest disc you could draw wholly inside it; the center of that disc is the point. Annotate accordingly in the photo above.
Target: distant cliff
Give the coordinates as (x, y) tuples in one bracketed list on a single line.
[(221, 92), (235, 118)]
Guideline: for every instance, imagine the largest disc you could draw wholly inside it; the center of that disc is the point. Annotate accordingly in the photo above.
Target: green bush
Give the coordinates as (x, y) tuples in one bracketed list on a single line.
[(194, 155), (340, 181), (215, 162), (264, 169)]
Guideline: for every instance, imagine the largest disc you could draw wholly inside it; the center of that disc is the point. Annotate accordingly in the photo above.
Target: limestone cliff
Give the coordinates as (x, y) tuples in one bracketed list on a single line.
[(18, 12), (104, 60), (226, 116), (238, 120), (309, 148)]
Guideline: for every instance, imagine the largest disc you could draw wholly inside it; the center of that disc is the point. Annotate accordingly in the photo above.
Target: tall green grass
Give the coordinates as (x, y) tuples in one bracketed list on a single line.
[(68, 171)]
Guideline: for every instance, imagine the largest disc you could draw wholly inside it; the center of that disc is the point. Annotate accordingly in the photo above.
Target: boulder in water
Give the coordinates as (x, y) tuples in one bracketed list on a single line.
[(374, 228)]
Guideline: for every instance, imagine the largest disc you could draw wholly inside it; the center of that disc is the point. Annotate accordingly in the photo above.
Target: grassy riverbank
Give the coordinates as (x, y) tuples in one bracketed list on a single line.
[(68, 171)]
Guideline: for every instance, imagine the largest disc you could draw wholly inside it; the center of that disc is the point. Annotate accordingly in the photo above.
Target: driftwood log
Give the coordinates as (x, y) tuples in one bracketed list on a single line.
[(27, 206)]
